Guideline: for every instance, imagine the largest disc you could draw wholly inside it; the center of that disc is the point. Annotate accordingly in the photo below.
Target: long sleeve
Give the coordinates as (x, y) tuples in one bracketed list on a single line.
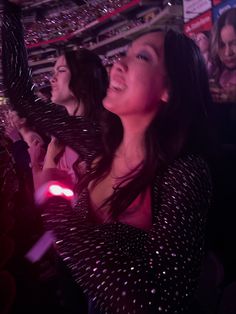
[(127, 270), (81, 135), (21, 156)]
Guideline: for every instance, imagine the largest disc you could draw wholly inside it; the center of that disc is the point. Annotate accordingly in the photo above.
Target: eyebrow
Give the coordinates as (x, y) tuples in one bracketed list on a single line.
[(61, 66), (156, 50)]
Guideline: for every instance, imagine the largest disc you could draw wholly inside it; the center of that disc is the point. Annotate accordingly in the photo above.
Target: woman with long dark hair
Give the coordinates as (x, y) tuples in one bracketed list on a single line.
[(134, 241), (223, 53), (78, 83)]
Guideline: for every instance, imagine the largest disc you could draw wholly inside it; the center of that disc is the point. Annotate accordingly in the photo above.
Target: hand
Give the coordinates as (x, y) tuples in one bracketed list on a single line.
[(12, 133), (11, 129), (37, 153), (54, 149), (230, 91), (218, 94), (15, 120)]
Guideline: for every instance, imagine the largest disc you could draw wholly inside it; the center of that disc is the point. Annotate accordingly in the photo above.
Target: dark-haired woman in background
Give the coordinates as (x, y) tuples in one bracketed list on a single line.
[(135, 241), (78, 83), (223, 53), (223, 89)]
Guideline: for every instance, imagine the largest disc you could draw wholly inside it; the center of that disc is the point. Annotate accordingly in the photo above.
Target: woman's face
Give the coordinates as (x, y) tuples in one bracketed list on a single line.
[(138, 80), (227, 47), (202, 41), (61, 94)]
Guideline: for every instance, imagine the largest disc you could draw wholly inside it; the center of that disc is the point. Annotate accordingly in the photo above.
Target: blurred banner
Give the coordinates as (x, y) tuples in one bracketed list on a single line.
[(193, 8), (203, 22), (223, 6)]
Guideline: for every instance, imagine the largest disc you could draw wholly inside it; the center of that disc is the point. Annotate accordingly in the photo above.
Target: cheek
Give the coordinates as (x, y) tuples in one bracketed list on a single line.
[(150, 92), (153, 80), (65, 80), (204, 46), (142, 79), (65, 87), (221, 53)]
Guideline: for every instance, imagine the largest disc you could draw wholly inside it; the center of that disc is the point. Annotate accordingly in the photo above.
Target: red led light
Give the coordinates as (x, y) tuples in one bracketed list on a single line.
[(68, 192), (52, 188), (58, 190), (55, 189)]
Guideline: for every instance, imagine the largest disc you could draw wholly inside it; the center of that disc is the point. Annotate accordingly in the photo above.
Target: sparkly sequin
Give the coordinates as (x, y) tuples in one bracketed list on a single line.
[(120, 268)]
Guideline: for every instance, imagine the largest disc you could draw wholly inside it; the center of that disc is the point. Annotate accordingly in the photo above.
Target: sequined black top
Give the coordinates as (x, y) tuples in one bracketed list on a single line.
[(122, 269)]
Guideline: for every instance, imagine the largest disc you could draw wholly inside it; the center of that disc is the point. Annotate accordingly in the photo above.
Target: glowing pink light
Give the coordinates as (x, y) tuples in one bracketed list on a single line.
[(68, 192), (55, 189)]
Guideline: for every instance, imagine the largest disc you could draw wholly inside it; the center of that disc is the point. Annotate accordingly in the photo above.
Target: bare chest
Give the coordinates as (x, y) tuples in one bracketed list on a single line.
[(138, 214)]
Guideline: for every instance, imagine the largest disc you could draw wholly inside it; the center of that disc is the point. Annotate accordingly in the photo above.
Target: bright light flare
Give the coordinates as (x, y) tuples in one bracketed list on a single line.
[(55, 189), (58, 190), (68, 192)]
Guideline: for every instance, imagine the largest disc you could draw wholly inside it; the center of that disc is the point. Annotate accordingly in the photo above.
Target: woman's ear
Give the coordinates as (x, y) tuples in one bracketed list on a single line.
[(165, 95)]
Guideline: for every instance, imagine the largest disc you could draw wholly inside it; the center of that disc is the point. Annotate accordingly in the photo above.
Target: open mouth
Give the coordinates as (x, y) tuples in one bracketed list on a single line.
[(117, 86), (230, 61)]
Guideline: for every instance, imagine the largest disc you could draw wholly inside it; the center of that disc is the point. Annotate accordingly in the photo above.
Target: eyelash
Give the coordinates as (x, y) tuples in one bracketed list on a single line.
[(142, 57), (58, 71)]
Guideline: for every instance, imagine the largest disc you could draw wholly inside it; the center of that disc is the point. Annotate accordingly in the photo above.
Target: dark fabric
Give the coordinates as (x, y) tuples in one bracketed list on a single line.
[(8, 188)]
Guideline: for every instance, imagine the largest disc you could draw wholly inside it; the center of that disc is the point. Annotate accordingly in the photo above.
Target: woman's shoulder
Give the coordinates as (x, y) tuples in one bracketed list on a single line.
[(190, 170), (186, 183), (189, 163)]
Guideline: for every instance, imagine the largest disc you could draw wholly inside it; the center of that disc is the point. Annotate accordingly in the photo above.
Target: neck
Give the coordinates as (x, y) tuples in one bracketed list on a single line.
[(24, 131), (74, 108), (132, 147)]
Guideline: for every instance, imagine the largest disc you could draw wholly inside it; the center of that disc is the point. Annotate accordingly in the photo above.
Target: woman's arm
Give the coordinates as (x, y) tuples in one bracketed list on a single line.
[(83, 136), (126, 268)]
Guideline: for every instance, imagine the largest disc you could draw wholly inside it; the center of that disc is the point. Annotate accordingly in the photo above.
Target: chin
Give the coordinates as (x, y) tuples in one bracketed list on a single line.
[(106, 103), (111, 100), (230, 66)]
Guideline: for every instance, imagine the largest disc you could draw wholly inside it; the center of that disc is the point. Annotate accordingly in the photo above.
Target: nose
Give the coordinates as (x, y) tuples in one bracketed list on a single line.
[(53, 78), (228, 50), (121, 64)]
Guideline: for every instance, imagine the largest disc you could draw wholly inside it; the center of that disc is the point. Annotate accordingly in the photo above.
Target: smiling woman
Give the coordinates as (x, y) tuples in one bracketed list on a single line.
[(223, 51), (138, 80), (147, 187)]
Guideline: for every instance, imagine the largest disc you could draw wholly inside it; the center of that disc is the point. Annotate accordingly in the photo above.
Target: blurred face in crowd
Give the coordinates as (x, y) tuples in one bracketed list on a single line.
[(16, 120), (203, 42), (227, 47), (61, 93), (137, 81)]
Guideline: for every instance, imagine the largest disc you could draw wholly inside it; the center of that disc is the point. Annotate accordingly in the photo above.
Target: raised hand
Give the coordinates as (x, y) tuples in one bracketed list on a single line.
[(230, 91), (11, 128), (54, 149), (37, 153)]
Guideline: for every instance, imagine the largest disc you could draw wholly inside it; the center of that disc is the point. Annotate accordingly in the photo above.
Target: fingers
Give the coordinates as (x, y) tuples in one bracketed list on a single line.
[(220, 98), (216, 90), (36, 142), (54, 141)]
